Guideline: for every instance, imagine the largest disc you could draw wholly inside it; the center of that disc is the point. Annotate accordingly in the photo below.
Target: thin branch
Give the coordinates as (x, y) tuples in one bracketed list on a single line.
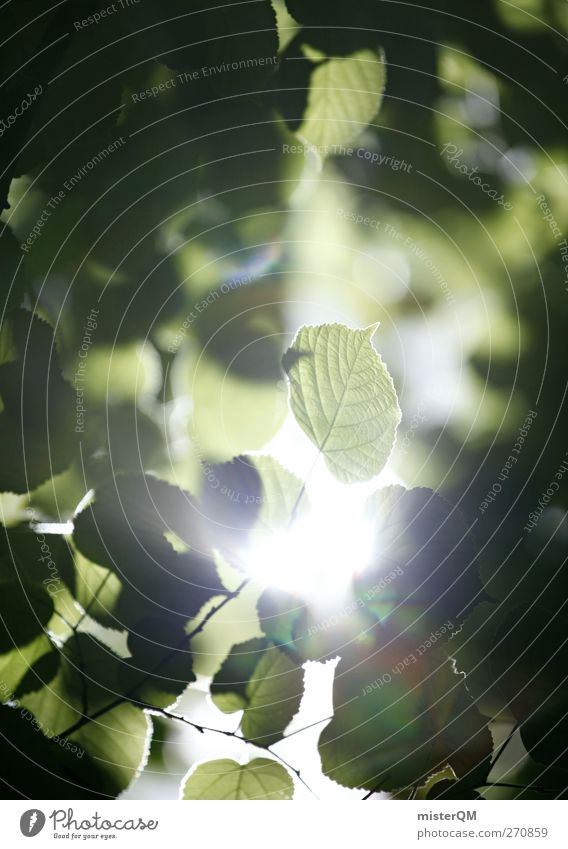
[(129, 696), (376, 788), (229, 597), (92, 601), (307, 727), (371, 793), (204, 728)]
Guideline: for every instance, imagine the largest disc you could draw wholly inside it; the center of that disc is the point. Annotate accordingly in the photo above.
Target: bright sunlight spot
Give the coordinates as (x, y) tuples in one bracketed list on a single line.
[(318, 555)]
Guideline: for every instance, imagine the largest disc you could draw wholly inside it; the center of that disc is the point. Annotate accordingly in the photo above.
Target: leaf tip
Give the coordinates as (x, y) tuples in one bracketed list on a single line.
[(372, 329)]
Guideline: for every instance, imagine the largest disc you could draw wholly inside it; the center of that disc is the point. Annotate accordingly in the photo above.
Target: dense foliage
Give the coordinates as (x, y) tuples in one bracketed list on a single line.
[(215, 215)]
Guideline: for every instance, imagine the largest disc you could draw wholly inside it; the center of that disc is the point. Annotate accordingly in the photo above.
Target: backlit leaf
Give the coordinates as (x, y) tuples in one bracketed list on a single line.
[(261, 779), (345, 95), (343, 398)]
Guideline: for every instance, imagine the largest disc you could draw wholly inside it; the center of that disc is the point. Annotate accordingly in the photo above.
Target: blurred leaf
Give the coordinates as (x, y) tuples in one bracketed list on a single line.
[(315, 631), (420, 538), (15, 279), (126, 530), (208, 34), (160, 659), (529, 661), (242, 327), (280, 615), (471, 649), (37, 418), (343, 398), (394, 729), (260, 779), (40, 558), (36, 767), (25, 610), (230, 415), (98, 590)]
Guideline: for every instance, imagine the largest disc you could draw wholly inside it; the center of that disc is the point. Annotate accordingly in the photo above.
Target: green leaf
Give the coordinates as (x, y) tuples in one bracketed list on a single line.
[(42, 671), (35, 767), (393, 729), (161, 665), (25, 610), (127, 530), (274, 694), (261, 779), (16, 667), (117, 742), (223, 423), (283, 494), (229, 686), (345, 95), (343, 398), (261, 680), (247, 501)]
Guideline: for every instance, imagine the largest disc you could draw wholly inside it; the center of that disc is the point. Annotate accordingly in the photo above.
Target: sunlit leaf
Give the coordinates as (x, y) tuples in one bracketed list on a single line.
[(261, 779), (247, 501), (345, 95), (261, 680), (27, 668), (343, 398), (88, 680)]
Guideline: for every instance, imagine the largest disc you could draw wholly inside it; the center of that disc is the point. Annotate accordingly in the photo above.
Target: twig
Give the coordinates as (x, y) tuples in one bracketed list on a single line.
[(92, 601), (129, 696), (204, 728), (307, 727)]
